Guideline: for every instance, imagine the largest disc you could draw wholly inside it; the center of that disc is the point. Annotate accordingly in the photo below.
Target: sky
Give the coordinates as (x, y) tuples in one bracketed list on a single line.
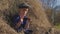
[(58, 2)]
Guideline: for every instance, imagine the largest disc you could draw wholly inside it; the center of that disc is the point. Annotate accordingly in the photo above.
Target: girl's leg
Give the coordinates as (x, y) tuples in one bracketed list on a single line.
[(26, 29), (19, 29)]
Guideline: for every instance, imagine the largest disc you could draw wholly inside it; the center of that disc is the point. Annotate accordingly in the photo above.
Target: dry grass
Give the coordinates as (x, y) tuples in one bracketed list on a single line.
[(39, 23)]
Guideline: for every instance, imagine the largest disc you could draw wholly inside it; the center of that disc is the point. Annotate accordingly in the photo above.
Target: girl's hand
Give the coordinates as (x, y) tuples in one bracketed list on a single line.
[(18, 25), (29, 20)]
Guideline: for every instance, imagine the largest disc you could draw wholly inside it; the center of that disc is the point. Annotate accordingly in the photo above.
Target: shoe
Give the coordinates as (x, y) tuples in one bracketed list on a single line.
[(19, 30), (28, 32)]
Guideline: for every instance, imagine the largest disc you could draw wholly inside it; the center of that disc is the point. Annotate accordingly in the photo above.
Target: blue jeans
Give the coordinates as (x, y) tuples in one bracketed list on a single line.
[(20, 28), (27, 31)]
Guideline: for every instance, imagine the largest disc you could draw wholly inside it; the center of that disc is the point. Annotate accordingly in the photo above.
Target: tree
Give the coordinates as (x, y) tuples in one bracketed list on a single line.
[(49, 6)]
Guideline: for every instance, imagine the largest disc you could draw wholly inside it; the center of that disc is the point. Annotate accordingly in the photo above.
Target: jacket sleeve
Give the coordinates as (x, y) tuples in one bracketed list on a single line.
[(15, 19)]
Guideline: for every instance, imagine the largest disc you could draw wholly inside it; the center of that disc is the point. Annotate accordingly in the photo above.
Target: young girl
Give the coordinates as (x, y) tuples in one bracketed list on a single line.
[(20, 21)]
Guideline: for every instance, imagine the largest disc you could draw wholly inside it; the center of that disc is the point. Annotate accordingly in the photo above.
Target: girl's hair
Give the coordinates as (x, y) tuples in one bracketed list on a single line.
[(23, 5)]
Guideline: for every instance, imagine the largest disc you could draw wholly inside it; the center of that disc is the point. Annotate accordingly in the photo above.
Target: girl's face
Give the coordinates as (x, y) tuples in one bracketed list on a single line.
[(23, 12)]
